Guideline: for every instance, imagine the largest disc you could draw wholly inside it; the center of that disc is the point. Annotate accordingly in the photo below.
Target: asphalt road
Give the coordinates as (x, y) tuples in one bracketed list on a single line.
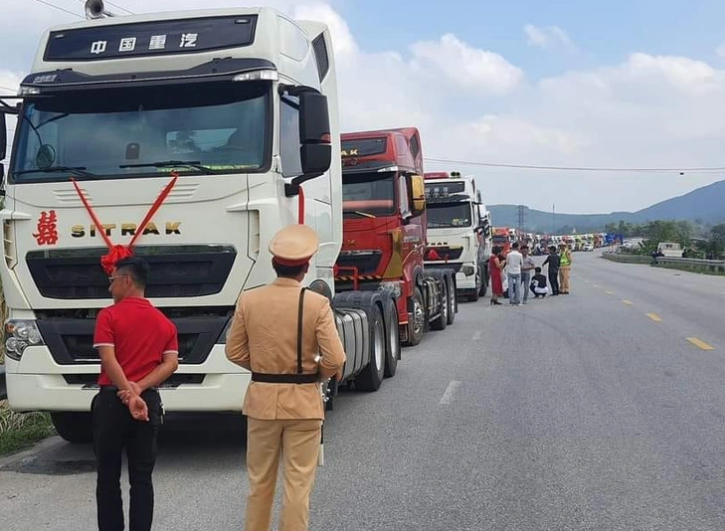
[(578, 412)]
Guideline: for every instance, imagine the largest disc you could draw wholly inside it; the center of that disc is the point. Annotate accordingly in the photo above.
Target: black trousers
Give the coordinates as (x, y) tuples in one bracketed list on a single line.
[(554, 281), (114, 430)]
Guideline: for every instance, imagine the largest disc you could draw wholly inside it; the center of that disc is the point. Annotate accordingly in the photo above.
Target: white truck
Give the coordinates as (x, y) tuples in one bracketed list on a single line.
[(458, 231), (242, 105)]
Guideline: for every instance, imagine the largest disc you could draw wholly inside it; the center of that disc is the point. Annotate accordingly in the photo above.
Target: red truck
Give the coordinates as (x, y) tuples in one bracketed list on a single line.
[(502, 239), (385, 231)]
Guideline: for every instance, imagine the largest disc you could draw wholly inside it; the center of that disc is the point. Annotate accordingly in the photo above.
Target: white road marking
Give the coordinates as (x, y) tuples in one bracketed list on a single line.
[(477, 335), (450, 391)]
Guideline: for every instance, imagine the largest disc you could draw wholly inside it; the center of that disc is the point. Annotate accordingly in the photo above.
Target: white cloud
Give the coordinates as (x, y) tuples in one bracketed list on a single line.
[(468, 67), (473, 104), (547, 37)]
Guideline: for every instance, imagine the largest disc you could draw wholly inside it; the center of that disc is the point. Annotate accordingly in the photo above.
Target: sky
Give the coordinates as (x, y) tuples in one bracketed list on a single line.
[(613, 84)]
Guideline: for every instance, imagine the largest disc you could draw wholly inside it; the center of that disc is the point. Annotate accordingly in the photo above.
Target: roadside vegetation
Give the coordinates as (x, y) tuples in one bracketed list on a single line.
[(698, 241)]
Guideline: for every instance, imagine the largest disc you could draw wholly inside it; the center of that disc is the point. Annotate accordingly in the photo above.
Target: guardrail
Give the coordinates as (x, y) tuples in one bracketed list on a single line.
[(714, 266), (627, 258), (3, 389)]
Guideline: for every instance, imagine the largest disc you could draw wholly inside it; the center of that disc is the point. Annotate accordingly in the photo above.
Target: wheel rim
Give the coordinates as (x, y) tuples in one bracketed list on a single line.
[(379, 345), (418, 316), (451, 303), (394, 335), (444, 306)]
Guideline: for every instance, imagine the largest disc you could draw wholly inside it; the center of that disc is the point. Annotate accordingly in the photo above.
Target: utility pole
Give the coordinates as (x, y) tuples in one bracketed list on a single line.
[(522, 215), (553, 218)]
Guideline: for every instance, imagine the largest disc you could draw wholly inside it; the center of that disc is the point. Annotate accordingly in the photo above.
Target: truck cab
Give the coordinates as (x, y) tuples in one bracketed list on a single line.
[(234, 113), (385, 228), (458, 231)]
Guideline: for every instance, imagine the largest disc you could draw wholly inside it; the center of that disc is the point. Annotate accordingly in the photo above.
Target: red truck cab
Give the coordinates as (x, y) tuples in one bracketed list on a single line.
[(384, 224)]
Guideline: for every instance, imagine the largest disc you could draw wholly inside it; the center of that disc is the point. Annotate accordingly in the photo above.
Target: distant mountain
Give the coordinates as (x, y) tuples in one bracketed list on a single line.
[(704, 205)]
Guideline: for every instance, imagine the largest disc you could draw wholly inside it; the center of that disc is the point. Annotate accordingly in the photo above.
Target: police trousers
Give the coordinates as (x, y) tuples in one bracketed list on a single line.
[(564, 274), (114, 430), (297, 444)]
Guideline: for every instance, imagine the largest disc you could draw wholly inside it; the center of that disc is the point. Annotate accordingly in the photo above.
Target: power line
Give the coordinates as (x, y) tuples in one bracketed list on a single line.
[(59, 8), (574, 168), (114, 5)]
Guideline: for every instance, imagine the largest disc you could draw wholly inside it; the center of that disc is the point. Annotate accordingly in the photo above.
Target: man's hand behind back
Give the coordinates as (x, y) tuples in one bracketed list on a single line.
[(138, 408)]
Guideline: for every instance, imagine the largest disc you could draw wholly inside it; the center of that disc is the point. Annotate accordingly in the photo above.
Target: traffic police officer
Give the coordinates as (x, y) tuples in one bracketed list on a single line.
[(276, 333)]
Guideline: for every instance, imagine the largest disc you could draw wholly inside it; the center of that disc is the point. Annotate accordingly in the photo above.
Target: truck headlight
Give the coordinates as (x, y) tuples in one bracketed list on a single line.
[(19, 335), (468, 270)]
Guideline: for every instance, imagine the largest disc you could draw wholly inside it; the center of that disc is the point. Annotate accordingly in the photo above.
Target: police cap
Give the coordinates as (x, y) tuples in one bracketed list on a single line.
[(294, 245)]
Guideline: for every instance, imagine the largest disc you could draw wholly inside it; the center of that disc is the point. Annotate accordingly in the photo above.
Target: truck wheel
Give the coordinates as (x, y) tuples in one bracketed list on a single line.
[(451, 302), (372, 376), (416, 326), (441, 321), (473, 294), (392, 352), (484, 284), (72, 426)]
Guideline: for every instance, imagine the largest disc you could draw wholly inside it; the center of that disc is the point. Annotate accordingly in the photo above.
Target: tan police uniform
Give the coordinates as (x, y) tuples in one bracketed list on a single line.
[(564, 269), (283, 403)]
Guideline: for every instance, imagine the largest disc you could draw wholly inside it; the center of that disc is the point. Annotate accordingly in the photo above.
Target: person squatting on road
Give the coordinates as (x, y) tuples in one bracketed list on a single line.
[(276, 333), (138, 347), (538, 284)]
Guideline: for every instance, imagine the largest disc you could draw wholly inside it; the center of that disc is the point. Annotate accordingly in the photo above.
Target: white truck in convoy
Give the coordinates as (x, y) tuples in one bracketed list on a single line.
[(241, 105), (459, 231)]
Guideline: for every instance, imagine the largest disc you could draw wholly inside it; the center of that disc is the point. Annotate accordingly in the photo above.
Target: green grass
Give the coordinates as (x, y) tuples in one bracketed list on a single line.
[(21, 430)]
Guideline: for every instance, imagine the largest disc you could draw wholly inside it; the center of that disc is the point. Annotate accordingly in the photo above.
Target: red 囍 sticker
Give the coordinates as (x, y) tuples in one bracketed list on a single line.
[(47, 229)]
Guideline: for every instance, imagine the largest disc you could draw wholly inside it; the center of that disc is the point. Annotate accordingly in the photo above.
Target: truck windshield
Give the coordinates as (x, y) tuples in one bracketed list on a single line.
[(111, 133), (441, 215), (368, 194)]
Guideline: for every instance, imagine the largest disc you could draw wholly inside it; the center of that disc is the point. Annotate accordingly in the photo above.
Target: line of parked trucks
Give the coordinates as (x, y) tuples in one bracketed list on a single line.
[(242, 104)]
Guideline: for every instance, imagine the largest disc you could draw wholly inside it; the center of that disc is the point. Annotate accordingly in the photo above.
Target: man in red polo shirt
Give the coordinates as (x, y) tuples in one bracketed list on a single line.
[(138, 347)]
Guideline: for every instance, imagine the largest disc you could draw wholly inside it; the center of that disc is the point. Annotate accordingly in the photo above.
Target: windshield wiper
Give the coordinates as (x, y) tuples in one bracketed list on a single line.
[(196, 164), (359, 213), (77, 170)]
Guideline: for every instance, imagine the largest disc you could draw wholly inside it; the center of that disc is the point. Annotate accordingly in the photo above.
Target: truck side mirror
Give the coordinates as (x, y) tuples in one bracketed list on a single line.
[(316, 147), (417, 192)]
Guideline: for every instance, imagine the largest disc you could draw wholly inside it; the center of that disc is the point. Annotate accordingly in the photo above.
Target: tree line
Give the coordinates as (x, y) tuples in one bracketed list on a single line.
[(700, 241)]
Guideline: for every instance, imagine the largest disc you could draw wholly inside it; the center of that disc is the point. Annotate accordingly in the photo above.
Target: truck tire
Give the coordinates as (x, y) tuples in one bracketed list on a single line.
[(392, 333), (473, 294), (372, 376), (74, 427), (416, 326), (441, 321), (452, 300)]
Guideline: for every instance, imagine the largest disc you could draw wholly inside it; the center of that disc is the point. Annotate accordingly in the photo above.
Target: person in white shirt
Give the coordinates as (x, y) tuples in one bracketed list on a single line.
[(514, 263)]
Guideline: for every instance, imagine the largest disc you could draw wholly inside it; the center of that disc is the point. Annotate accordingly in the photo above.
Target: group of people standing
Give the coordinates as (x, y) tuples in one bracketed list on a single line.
[(523, 275)]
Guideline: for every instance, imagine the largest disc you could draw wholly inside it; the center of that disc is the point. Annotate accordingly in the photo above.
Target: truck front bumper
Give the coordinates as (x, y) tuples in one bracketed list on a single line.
[(38, 383)]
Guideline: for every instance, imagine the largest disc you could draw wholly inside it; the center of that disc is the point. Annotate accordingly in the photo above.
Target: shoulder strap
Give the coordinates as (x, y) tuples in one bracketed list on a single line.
[(300, 311)]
